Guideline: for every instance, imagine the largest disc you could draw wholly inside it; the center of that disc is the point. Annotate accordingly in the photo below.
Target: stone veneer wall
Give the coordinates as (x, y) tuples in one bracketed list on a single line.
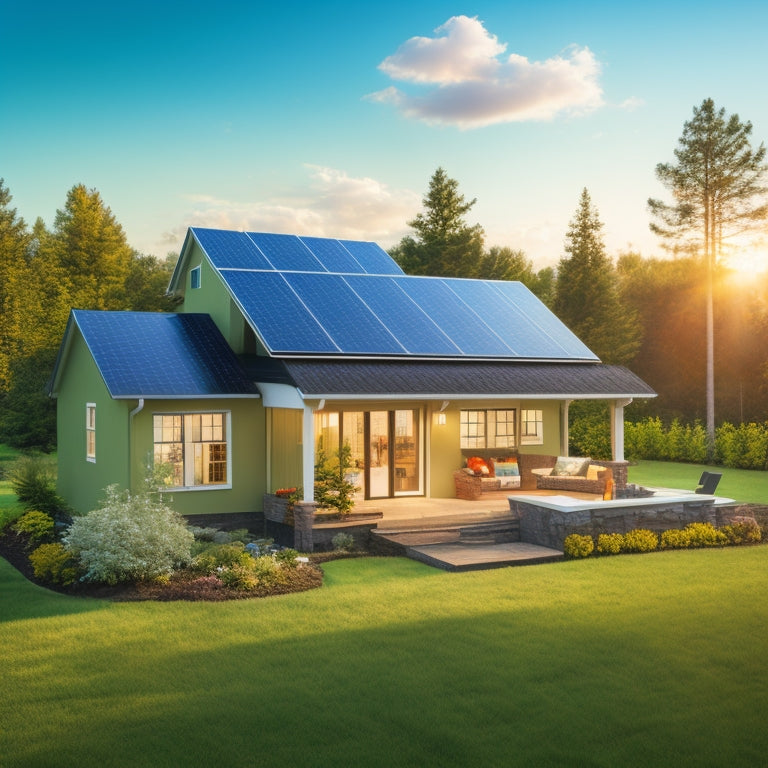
[(619, 469), (549, 527)]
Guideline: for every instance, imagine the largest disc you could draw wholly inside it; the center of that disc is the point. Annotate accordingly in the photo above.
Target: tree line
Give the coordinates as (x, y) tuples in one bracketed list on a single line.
[(84, 262)]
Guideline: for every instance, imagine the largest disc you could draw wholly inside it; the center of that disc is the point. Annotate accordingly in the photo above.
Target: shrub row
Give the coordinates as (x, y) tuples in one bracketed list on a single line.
[(694, 535), (743, 446)]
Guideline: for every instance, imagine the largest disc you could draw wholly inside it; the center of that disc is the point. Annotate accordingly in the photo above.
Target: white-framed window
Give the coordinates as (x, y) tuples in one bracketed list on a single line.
[(90, 431), (195, 447), (194, 277), (493, 428), (531, 427)]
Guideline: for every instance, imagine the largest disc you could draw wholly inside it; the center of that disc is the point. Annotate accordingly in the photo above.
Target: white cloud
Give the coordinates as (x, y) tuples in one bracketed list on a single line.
[(333, 204), (471, 86)]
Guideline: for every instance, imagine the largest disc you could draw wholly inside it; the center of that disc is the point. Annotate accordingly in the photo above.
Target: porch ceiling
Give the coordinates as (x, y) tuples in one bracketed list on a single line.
[(458, 379)]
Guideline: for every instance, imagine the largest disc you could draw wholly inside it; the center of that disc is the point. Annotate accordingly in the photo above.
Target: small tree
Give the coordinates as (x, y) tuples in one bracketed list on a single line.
[(332, 489)]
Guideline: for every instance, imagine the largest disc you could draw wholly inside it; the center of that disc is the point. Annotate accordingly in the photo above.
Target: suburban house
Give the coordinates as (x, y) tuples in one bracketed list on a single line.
[(282, 345)]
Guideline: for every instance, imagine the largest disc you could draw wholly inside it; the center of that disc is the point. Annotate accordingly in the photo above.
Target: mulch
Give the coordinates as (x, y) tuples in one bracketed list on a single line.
[(181, 586)]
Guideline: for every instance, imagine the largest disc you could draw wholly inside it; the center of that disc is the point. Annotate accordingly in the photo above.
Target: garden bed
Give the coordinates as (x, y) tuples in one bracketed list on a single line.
[(183, 585)]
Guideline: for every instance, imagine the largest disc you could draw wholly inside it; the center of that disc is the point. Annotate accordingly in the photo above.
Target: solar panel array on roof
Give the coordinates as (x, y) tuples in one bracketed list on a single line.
[(290, 253), (316, 296), (161, 354)]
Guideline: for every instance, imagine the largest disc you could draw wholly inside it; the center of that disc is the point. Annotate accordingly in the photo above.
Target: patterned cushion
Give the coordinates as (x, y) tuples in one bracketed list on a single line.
[(570, 466)]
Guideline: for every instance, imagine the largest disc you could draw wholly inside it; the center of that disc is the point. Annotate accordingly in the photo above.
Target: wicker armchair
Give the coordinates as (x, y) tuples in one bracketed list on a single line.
[(472, 487)]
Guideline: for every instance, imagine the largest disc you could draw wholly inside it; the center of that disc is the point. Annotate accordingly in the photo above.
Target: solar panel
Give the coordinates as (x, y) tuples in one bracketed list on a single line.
[(457, 319), (286, 252), (375, 260), (536, 315), (228, 249), (161, 354), (413, 328), (347, 320), (332, 255), (278, 316)]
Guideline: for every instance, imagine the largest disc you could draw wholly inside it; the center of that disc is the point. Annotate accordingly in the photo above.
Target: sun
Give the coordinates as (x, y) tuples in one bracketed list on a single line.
[(747, 264)]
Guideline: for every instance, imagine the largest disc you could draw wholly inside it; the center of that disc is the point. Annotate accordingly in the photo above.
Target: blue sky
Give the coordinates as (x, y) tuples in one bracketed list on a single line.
[(330, 118)]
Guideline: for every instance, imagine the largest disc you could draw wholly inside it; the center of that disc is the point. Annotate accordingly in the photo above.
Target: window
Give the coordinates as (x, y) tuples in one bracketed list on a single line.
[(90, 432), (194, 277), (488, 429), (531, 427), (194, 447)]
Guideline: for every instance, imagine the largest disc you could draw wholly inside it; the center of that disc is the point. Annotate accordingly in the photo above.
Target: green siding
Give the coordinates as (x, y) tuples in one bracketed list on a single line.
[(286, 448), (81, 482), (248, 454)]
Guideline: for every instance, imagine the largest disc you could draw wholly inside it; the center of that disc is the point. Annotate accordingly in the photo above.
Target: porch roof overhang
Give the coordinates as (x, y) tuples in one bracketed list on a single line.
[(449, 380)]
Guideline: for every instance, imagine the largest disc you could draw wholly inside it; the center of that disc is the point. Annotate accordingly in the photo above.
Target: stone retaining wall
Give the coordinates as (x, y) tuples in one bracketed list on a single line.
[(549, 527)]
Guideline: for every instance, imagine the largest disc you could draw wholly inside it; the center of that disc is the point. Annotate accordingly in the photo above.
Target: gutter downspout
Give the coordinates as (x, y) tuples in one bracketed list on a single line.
[(139, 407)]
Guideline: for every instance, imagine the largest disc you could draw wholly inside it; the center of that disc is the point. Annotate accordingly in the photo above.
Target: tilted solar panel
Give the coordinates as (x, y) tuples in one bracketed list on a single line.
[(286, 252), (332, 255), (375, 260), (228, 249)]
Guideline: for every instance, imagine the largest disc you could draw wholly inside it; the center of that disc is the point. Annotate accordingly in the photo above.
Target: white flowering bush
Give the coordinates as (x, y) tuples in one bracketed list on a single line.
[(130, 538)]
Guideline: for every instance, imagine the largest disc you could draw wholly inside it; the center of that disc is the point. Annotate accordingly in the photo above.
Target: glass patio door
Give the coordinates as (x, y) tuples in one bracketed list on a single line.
[(394, 453)]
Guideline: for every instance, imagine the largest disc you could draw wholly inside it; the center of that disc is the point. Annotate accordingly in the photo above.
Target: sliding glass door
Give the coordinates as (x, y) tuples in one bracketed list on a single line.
[(386, 449)]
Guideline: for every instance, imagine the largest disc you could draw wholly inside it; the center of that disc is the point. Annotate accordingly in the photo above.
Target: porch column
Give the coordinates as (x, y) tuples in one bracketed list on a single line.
[(564, 427), (308, 454), (617, 428)]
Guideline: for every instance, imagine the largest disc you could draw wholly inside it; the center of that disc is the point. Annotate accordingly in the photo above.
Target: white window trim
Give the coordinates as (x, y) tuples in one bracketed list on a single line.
[(489, 431), (192, 272), (90, 432), (213, 486)]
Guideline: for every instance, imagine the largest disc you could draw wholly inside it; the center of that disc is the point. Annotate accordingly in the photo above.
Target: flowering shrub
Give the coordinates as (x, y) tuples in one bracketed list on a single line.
[(640, 540), (609, 543), (131, 538), (53, 563), (742, 532), (675, 539), (576, 545), (705, 535)]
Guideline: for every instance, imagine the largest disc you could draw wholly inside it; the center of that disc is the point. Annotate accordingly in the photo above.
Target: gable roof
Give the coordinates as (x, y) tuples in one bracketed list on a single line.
[(157, 355), (320, 298)]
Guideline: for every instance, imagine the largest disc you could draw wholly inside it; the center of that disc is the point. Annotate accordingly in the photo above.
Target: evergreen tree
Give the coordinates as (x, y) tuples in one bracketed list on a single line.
[(718, 185), (92, 251), (506, 264), (14, 242), (586, 297), (445, 246)]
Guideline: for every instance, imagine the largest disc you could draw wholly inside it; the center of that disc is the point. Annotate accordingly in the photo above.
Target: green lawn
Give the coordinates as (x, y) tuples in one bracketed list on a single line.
[(740, 484), (635, 660)]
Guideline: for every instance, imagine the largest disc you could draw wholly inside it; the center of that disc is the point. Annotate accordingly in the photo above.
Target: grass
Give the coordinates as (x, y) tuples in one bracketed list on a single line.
[(744, 485), (644, 660)]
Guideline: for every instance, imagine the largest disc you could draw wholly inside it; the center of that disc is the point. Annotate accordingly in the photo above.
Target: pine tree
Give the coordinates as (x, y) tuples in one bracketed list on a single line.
[(718, 184), (445, 246), (91, 249), (586, 298), (14, 242)]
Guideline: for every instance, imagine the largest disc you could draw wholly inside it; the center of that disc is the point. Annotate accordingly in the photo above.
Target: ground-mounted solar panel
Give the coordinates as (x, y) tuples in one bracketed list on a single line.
[(536, 314), (286, 252), (230, 250), (145, 353), (374, 259), (280, 318), (456, 318), (346, 319), (415, 330), (332, 255)]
